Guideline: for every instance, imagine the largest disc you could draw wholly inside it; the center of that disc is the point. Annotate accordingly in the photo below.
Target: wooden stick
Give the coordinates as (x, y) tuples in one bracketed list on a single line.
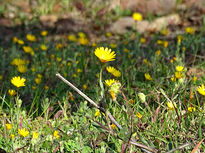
[(101, 109)]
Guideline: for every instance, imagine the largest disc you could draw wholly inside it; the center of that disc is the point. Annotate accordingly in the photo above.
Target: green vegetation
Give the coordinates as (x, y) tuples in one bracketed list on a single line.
[(148, 91)]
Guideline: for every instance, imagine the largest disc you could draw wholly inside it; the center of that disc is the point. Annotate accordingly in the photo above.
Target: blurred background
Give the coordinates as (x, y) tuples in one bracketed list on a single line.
[(95, 17)]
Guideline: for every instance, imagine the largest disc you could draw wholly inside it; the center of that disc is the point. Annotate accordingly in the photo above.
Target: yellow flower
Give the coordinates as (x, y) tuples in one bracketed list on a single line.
[(11, 136), (179, 75), (22, 68), (58, 59), (165, 44), (31, 37), (147, 77), (173, 79), (20, 42), (160, 42), (201, 90), (145, 61), (164, 32), (191, 109), (179, 68), (179, 39), (114, 89), (171, 61), (34, 87), (194, 79), (97, 113), (105, 54), (56, 134), (44, 33), (18, 61), (33, 69), (108, 34), (94, 44), (79, 70), (46, 87), (23, 132), (126, 50), (58, 46), (142, 40), (38, 80), (52, 56), (109, 82), (189, 30), (113, 95), (110, 69), (112, 45), (139, 115), (74, 75), (137, 16), (81, 34), (15, 39), (43, 47), (28, 49), (116, 73), (18, 81), (35, 135), (158, 52), (184, 49), (71, 37), (1, 77), (12, 92), (39, 75), (131, 101), (8, 126), (84, 86), (171, 105), (83, 41), (113, 126), (69, 63)]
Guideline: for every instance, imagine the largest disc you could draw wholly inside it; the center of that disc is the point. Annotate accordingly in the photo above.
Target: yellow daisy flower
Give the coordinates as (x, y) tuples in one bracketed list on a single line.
[(71, 37), (139, 115), (116, 73), (28, 49), (43, 47), (35, 135), (148, 77), (179, 75), (8, 126), (97, 113), (18, 61), (191, 109), (137, 16), (171, 105), (12, 92), (56, 134), (18, 81), (201, 89), (110, 69), (23, 132), (44, 33), (113, 126), (22, 68), (190, 30), (31, 37), (179, 68), (105, 54), (109, 82)]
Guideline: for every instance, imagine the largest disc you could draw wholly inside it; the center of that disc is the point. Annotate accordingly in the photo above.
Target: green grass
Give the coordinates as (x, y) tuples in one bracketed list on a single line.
[(52, 106)]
